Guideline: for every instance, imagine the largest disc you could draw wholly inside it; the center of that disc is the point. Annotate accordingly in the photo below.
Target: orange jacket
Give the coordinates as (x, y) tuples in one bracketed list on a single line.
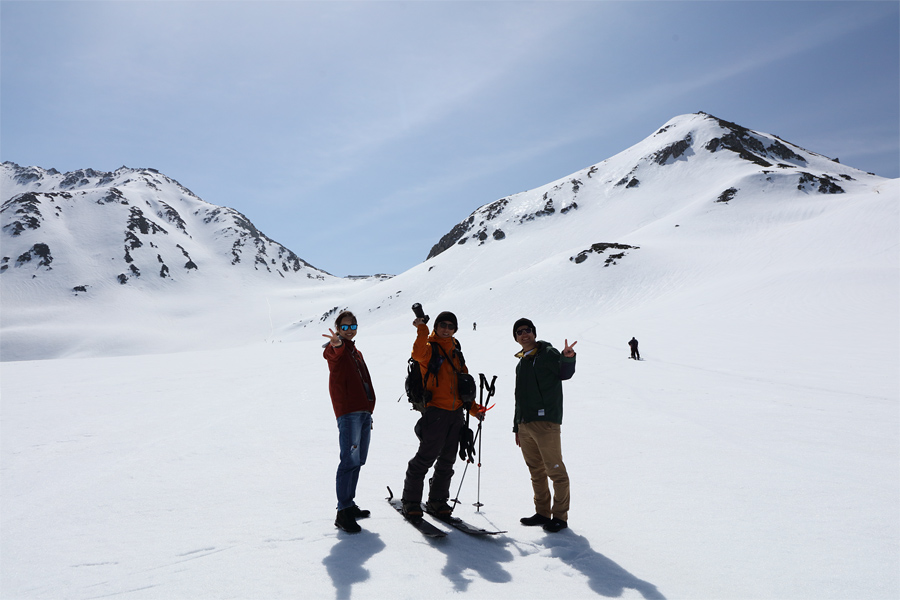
[(443, 387)]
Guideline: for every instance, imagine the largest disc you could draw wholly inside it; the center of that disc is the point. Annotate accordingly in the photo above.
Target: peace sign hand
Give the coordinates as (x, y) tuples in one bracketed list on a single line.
[(569, 351), (333, 337)]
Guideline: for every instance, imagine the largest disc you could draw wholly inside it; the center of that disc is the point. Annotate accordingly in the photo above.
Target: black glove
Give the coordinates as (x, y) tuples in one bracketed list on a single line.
[(467, 445)]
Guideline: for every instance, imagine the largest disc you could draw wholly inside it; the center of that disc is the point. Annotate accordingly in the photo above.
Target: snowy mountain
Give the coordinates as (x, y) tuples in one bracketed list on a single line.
[(751, 454), (702, 211), (699, 203), (78, 246), (129, 226), (692, 160)]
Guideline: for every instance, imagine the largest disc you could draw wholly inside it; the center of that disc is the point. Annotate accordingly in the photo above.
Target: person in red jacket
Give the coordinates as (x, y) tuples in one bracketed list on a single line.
[(439, 427), (353, 400)]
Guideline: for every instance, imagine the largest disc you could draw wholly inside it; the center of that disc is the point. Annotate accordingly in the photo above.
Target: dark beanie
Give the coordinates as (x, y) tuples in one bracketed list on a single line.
[(447, 316), (524, 321)]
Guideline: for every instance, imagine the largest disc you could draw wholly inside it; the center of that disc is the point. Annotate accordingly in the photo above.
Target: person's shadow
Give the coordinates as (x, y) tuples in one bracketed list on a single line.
[(345, 562), (604, 576), (482, 555)]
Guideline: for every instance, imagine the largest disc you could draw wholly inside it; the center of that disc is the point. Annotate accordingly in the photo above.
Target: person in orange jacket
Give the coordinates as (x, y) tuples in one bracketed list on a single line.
[(438, 429)]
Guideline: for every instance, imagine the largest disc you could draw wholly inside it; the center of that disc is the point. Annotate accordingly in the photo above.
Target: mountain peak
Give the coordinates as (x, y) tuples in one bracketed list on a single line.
[(696, 157), (88, 229)]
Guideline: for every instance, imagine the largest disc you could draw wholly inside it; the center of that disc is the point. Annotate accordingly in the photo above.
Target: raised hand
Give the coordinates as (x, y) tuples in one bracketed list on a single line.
[(569, 351), (333, 337)]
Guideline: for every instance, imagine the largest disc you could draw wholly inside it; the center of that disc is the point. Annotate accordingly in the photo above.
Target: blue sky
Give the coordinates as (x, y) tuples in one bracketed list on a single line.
[(358, 133)]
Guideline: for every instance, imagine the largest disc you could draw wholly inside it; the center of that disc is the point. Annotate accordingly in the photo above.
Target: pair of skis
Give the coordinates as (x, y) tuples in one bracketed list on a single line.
[(429, 530)]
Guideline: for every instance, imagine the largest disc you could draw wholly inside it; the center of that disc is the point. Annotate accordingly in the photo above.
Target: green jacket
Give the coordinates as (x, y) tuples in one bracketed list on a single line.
[(539, 377)]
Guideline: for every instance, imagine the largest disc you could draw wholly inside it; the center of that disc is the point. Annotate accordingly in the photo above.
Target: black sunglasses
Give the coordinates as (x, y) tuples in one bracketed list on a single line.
[(446, 325), (522, 330), (346, 327)]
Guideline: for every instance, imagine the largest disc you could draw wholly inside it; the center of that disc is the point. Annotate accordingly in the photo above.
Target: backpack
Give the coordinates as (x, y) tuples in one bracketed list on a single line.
[(416, 391)]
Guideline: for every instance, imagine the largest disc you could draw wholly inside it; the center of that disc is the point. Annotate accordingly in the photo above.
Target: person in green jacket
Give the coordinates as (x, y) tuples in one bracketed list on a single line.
[(538, 417)]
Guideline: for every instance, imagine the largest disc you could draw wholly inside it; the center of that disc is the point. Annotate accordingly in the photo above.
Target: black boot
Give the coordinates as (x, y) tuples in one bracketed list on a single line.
[(438, 508), (537, 519), (412, 510), (555, 525), (345, 521), (359, 513)]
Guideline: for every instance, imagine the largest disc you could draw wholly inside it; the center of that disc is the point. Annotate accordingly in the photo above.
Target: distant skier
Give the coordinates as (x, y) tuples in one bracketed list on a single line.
[(634, 349), (353, 399), (474, 326)]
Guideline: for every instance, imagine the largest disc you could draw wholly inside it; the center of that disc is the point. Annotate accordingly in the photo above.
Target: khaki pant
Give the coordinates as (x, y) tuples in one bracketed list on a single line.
[(542, 451)]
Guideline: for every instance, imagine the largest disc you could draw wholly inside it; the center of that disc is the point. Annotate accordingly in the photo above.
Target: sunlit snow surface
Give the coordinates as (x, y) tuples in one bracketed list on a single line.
[(181, 444)]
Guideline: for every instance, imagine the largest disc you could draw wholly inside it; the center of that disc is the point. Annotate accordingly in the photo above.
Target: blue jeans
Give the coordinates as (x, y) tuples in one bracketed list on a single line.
[(354, 432)]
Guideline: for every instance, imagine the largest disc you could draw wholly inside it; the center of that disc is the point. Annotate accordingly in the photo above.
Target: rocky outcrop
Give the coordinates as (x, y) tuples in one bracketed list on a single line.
[(601, 248)]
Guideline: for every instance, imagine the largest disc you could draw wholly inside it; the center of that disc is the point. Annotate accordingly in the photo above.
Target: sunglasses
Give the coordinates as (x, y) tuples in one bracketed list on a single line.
[(446, 325), (351, 327), (522, 330)]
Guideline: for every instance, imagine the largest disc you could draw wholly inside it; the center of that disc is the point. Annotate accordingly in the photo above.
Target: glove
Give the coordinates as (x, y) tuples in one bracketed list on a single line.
[(467, 445)]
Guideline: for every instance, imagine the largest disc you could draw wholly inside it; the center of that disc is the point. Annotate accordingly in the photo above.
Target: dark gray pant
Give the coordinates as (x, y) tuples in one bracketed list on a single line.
[(438, 433)]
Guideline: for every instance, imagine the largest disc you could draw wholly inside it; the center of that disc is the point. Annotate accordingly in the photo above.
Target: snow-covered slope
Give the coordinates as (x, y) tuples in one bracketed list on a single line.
[(135, 251), (702, 212), (703, 233), (752, 454), (132, 226)]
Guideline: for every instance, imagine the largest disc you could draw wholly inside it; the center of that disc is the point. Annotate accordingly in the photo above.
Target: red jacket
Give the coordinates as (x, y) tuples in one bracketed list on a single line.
[(349, 381)]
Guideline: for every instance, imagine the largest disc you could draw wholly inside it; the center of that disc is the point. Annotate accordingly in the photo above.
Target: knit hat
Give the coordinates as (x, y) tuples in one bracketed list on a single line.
[(524, 321), (447, 316)]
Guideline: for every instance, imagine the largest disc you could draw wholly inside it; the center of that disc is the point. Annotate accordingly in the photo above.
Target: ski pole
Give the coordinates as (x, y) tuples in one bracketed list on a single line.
[(463, 478), (481, 402)]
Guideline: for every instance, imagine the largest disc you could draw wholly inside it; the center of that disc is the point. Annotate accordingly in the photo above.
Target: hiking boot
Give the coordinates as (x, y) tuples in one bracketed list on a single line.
[(358, 513), (412, 510), (345, 521), (438, 508), (537, 519), (555, 525)]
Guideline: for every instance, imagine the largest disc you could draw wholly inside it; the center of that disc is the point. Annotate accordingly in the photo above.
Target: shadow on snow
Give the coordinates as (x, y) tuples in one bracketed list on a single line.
[(345, 562), (484, 557), (605, 577), (481, 555)]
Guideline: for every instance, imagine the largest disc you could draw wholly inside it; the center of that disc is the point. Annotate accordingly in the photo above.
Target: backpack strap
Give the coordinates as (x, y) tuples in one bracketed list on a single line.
[(456, 352)]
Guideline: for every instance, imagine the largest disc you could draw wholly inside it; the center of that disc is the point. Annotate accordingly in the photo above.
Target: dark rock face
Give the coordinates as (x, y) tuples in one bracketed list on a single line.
[(544, 212), (171, 215), (600, 248), (826, 184), (739, 146), (673, 151), (41, 252), (453, 236), (138, 222), (727, 195), (26, 210), (113, 196), (749, 147)]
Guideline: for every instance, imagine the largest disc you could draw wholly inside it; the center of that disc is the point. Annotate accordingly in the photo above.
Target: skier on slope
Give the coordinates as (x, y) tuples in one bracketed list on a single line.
[(634, 349), (353, 400), (438, 429)]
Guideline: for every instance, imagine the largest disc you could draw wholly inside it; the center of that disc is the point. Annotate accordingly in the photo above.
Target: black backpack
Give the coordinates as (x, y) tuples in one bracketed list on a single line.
[(416, 393)]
